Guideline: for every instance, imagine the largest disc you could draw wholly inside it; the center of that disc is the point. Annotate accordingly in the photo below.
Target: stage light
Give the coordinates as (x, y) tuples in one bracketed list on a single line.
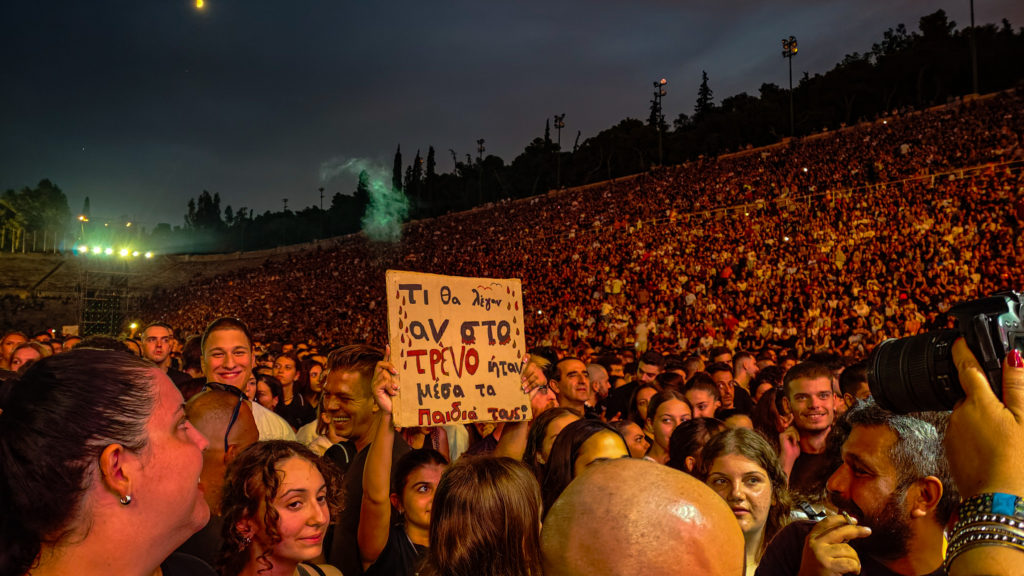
[(83, 248), (97, 250), (135, 254), (149, 254), (124, 252), (108, 251)]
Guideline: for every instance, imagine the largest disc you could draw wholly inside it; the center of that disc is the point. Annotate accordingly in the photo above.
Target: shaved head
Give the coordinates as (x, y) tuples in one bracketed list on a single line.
[(602, 526), (210, 412)]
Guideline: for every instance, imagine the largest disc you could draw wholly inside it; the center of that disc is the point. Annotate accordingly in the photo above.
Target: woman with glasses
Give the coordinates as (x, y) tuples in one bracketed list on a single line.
[(100, 469)]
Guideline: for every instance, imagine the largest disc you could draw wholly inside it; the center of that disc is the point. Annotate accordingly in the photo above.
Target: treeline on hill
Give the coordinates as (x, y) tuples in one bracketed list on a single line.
[(905, 69)]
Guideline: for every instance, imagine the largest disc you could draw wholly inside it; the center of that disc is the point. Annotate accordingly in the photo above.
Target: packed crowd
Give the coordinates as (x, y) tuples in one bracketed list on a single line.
[(726, 464), (696, 380), (834, 242)]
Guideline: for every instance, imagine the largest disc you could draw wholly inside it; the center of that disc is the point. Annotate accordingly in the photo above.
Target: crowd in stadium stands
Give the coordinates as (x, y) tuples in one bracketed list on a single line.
[(829, 243), (701, 327)]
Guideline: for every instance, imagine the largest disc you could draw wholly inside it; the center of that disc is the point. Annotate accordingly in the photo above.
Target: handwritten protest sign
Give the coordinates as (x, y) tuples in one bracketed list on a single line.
[(458, 344)]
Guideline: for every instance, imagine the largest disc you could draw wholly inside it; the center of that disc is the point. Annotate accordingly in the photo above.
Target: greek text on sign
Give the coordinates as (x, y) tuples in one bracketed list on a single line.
[(458, 344)]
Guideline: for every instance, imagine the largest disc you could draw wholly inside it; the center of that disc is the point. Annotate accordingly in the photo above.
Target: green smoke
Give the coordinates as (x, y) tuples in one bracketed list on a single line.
[(387, 210), (386, 207)]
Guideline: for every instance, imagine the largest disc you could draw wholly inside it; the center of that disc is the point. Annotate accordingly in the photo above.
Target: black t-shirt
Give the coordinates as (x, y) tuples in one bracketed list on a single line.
[(783, 555), (810, 474), (344, 548), (298, 413), (618, 400), (205, 544), (179, 564), (400, 556)]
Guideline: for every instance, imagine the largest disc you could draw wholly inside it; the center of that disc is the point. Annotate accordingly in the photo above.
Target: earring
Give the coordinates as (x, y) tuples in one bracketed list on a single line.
[(246, 541), (126, 499)]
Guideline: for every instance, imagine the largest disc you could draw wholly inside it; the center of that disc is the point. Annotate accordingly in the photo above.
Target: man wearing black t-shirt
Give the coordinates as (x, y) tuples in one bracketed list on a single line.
[(807, 388), (348, 403)]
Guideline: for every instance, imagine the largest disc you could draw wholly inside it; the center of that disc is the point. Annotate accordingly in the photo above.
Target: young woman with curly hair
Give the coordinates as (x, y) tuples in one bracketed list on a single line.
[(277, 502)]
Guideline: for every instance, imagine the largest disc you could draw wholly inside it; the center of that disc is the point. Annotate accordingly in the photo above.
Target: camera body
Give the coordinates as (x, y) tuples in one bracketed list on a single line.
[(917, 373)]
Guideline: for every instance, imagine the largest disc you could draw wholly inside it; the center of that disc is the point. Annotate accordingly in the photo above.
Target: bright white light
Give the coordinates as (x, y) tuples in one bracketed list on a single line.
[(97, 250), (149, 254), (785, 238), (83, 248), (123, 252), (108, 251), (135, 253), (805, 170)]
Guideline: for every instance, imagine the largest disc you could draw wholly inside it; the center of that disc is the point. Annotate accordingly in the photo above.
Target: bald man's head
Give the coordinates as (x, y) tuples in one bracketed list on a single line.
[(627, 516), (210, 412)]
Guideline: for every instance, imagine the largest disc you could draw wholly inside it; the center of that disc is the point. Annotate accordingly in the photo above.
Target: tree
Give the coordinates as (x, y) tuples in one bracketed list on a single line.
[(547, 132), (396, 172), (705, 98), (43, 208), (431, 165)]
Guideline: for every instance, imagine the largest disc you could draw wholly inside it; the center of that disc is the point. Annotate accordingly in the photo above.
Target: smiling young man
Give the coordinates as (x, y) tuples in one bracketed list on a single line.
[(227, 360), (894, 485), (348, 405), (807, 390)]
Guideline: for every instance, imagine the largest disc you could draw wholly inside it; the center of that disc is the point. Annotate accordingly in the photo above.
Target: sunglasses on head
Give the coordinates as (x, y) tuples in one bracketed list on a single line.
[(234, 413)]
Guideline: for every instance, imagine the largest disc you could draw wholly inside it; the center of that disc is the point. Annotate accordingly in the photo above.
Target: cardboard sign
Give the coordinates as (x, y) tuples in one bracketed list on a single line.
[(458, 344)]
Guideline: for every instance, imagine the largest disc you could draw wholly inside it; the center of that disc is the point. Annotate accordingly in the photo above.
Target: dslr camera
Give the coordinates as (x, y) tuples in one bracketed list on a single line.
[(917, 373)]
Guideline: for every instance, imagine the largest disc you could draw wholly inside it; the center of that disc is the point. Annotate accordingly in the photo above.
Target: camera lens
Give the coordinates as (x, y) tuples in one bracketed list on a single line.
[(916, 373)]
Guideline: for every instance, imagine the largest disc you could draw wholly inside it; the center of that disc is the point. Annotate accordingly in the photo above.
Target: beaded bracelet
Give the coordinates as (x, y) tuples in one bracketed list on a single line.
[(978, 540), (993, 503), (1010, 521), (989, 519)]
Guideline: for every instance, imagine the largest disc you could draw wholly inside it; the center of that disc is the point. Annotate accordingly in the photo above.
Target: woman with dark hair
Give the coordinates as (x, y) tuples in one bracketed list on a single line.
[(387, 547), (293, 406), (666, 410), (278, 499), (309, 380), (268, 391), (485, 520), (768, 378), (638, 403), (541, 437), (688, 439), (744, 469), (579, 445), (769, 417), (100, 469)]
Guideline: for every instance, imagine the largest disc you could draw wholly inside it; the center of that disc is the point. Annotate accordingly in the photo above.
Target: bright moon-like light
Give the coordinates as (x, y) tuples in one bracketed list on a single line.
[(200, 4)]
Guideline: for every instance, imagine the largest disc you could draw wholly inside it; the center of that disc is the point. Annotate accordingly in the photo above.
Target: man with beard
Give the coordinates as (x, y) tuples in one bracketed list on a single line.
[(895, 494)]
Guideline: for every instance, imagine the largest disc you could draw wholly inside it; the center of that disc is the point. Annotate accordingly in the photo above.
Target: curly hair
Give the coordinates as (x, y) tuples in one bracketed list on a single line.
[(250, 488)]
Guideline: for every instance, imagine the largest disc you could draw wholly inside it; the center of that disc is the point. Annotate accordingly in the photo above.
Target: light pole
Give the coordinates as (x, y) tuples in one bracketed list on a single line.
[(559, 124), (659, 117), (788, 51), (974, 54)]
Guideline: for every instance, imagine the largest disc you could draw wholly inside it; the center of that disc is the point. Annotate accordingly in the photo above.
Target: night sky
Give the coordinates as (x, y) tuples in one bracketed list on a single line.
[(141, 105)]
